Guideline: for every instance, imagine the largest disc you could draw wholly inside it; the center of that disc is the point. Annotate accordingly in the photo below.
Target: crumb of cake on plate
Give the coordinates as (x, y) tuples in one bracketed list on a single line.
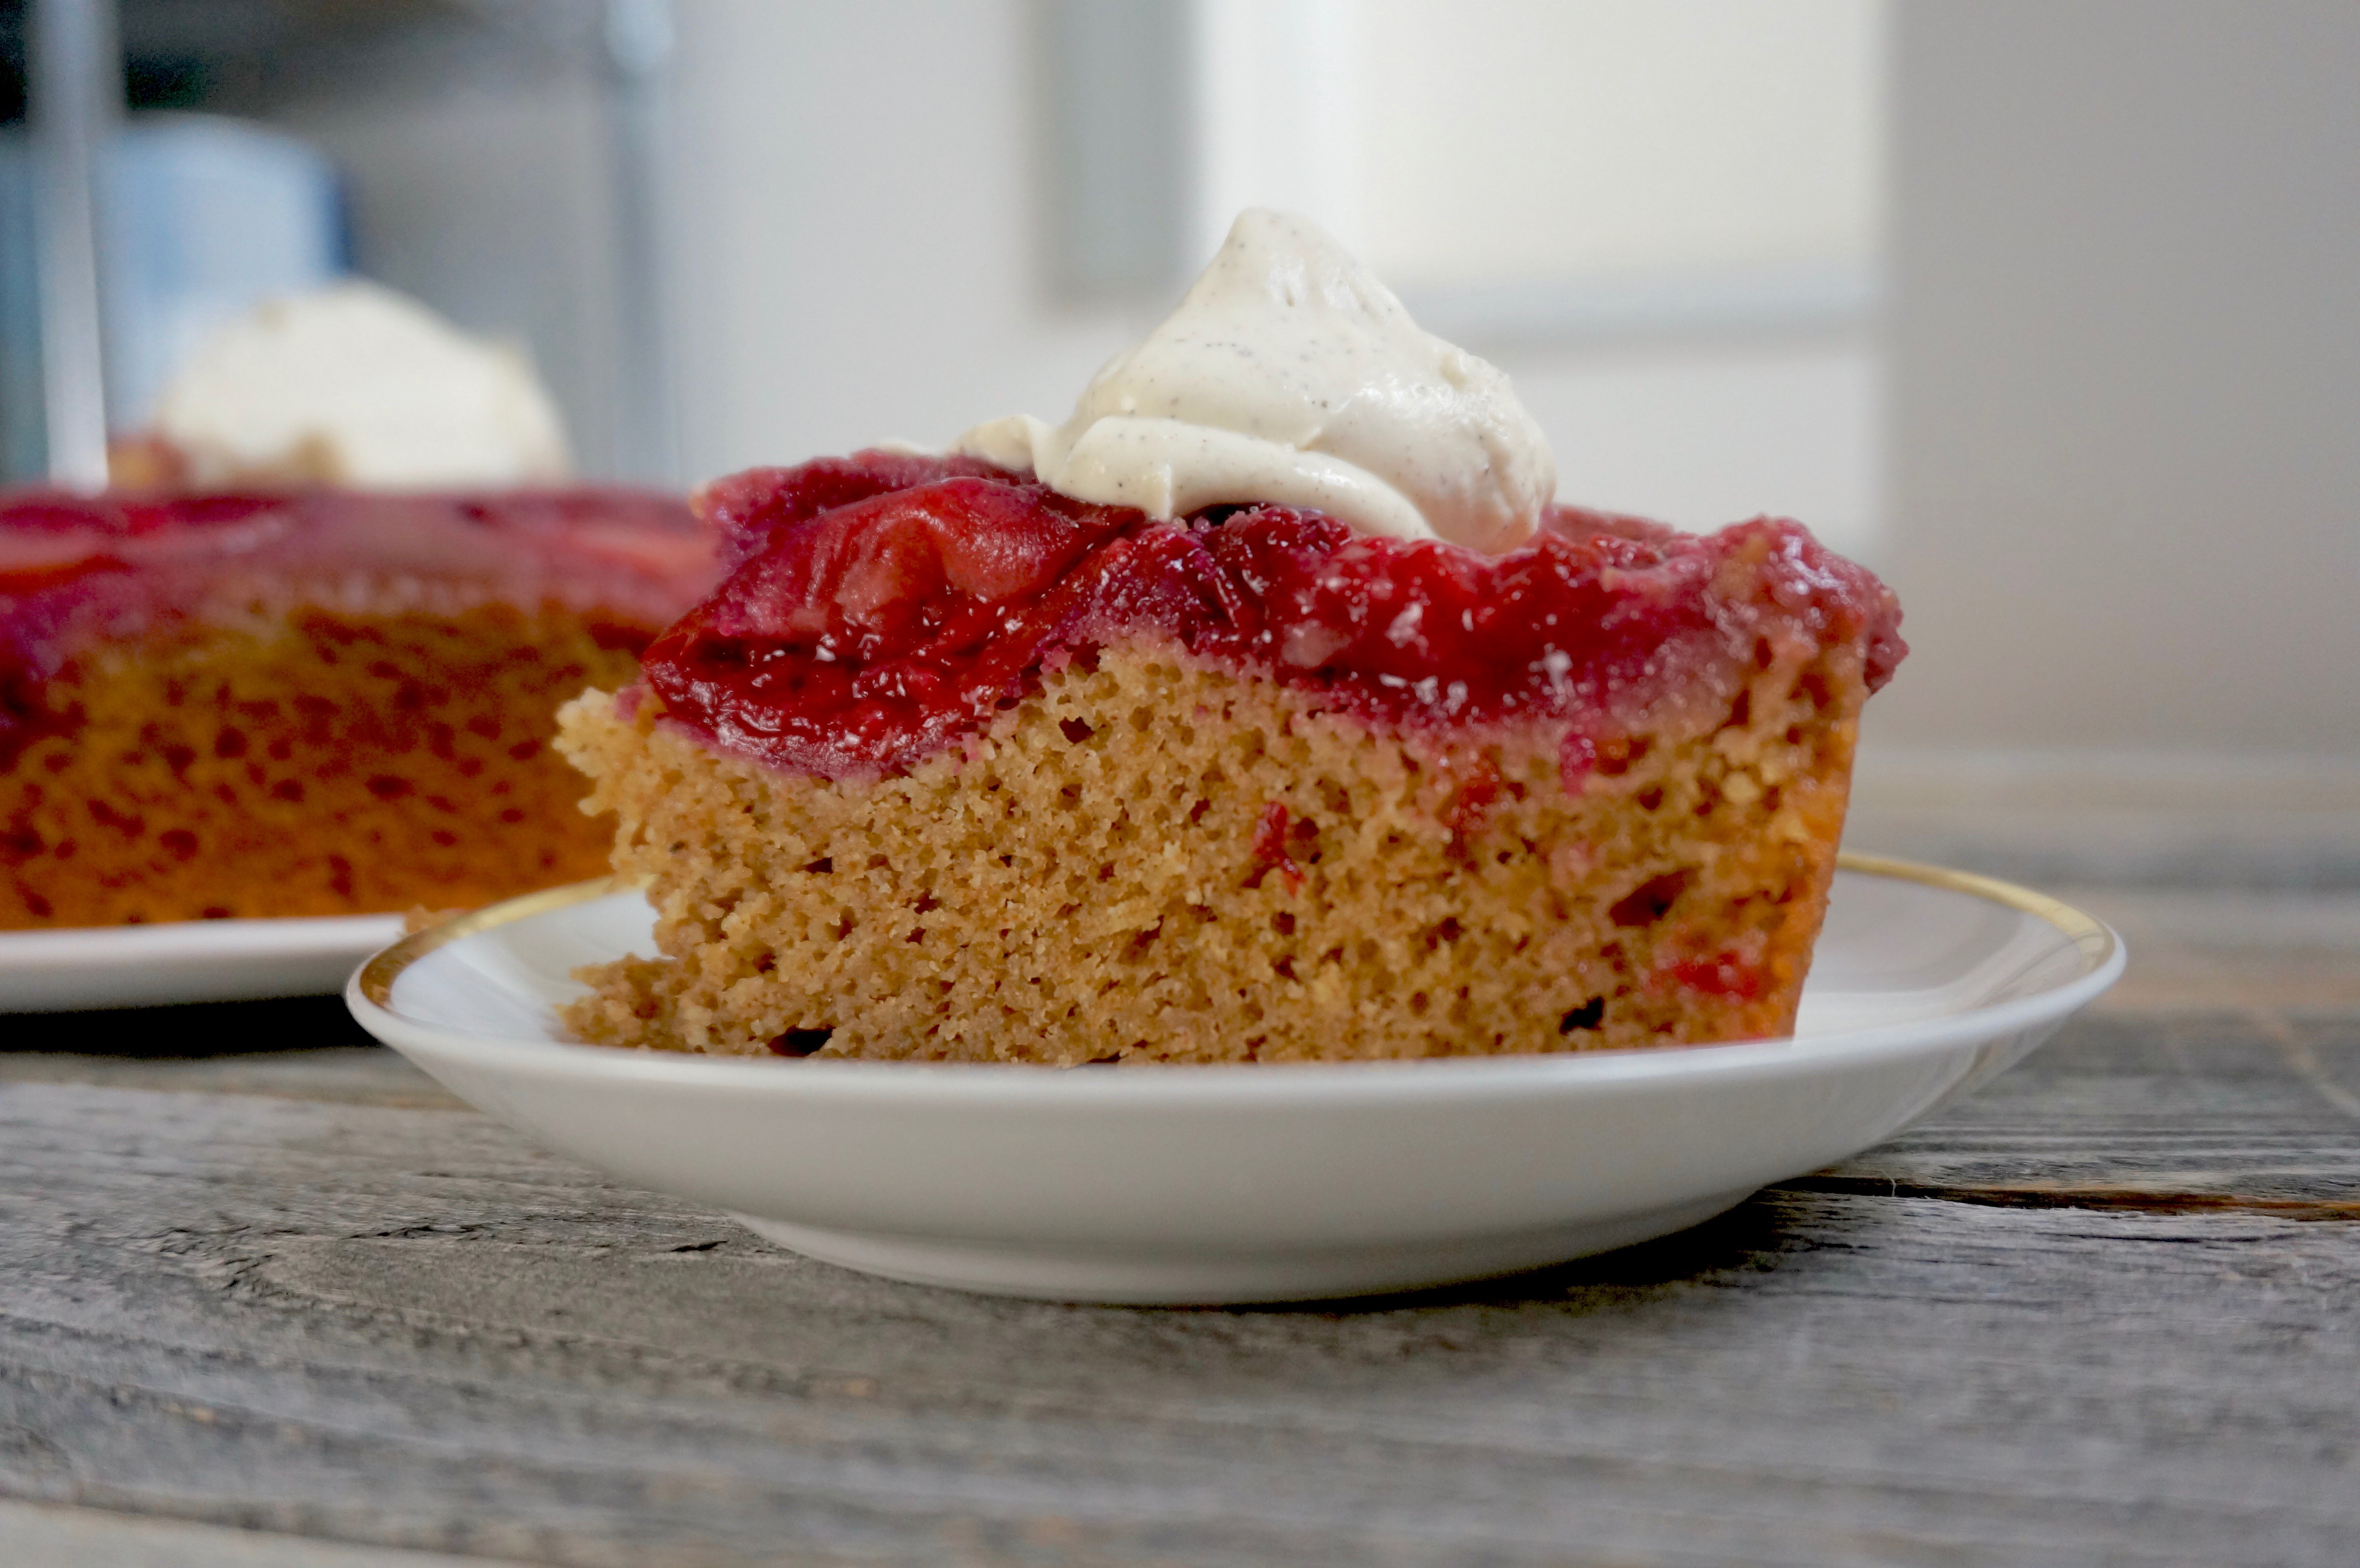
[(1268, 711)]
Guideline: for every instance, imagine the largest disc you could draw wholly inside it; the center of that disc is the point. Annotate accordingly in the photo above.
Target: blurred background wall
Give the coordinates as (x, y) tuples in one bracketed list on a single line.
[(1662, 220), (2049, 309), (2124, 364)]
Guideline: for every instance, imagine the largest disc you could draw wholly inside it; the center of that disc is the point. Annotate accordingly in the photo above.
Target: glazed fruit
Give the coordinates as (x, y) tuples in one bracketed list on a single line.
[(893, 602)]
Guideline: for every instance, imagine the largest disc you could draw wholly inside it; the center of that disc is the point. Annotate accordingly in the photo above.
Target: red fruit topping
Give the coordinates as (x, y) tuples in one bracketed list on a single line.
[(748, 509), (861, 636)]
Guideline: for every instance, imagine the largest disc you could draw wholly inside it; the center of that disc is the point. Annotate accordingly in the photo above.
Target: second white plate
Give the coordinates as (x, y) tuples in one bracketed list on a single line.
[(1247, 1183), (184, 961)]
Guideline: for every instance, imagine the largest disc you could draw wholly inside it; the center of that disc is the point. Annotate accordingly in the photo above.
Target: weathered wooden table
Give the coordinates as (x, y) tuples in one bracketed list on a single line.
[(302, 1308)]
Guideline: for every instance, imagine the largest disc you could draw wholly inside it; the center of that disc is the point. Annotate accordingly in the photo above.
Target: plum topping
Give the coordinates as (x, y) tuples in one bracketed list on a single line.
[(889, 604)]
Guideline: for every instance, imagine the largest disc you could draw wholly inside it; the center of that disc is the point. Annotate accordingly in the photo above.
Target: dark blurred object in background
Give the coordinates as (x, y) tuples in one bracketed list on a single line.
[(494, 159)]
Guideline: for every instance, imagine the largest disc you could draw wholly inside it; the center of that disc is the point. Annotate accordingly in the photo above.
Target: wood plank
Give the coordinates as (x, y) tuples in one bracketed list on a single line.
[(2265, 1099), (405, 1327), (2166, 1112), (2266, 950), (37, 1534), (350, 1074), (2182, 825)]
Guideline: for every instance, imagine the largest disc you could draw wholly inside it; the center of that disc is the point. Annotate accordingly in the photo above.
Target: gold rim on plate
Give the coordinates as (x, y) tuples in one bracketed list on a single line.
[(376, 977), (2092, 935)]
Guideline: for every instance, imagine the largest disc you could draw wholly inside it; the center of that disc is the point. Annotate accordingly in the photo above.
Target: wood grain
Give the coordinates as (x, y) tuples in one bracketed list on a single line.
[(2105, 1311), (36, 1533), (2166, 1113)]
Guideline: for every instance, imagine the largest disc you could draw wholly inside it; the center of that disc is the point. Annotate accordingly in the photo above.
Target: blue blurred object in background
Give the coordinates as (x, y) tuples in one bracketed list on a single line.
[(24, 446), (200, 219)]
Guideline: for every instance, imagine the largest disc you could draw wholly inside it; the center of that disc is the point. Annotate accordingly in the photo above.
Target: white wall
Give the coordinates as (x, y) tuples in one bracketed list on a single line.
[(1505, 140), (2125, 368), (854, 230), (1699, 435), (855, 247)]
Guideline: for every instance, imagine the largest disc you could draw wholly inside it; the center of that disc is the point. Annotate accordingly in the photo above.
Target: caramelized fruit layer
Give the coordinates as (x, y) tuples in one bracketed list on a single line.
[(890, 604)]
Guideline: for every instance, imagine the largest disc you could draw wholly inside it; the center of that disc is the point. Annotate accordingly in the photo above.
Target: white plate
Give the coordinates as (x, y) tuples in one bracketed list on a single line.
[(184, 961), (1201, 1185)]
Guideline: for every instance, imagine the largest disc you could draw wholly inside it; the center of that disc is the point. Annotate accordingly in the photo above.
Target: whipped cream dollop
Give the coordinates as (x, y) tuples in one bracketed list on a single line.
[(356, 384), (1289, 376)]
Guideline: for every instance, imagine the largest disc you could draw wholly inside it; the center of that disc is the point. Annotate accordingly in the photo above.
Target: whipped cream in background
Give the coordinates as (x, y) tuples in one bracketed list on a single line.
[(356, 384), (1290, 376)]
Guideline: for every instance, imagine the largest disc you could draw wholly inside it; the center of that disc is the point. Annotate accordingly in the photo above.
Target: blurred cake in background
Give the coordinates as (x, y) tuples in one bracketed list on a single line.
[(303, 659)]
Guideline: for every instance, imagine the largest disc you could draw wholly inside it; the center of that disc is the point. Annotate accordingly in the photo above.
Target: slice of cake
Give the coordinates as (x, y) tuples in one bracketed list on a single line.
[(311, 703), (1267, 711)]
